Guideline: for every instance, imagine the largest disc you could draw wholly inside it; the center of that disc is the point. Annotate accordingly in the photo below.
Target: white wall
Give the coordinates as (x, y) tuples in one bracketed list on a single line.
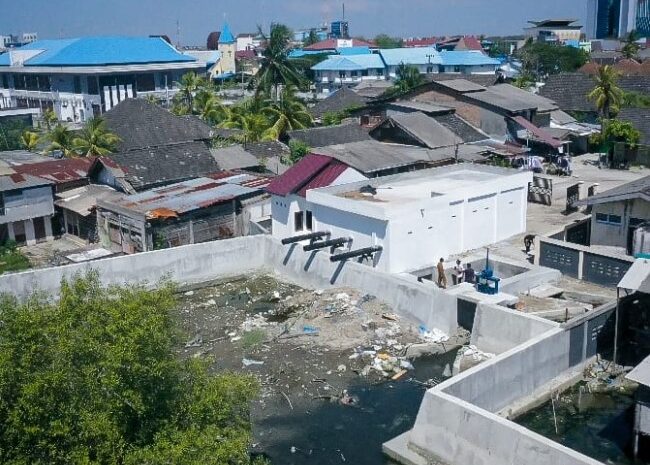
[(613, 235)]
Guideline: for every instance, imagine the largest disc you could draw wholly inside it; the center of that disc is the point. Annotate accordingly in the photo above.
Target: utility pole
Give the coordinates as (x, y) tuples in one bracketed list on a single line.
[(178, 34)]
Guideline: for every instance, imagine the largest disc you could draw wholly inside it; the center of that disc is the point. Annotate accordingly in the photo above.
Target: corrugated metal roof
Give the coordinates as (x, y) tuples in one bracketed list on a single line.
[(298, 175), (186, 196), (350, 63), (20, 181), (425, 129), (353, 51), (410, 56), (83, 200), (58, 171), (325, 178), (466, 58), (93, 51), (537, 132)]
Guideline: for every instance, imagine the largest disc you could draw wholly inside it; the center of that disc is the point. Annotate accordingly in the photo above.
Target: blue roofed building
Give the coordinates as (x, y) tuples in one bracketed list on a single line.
[(83, 77), (338, 70), (467, 62), (425, 59), (227, 66)]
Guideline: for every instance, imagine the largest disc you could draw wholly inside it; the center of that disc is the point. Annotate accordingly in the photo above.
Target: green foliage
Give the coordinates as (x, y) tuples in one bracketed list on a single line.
[(30, 140), (385, 41), (286, 114), (524, 81), (92, 379), (498, 48), (276, 69), (253, 339), (298, 150), (61, 139), (50, 119), (636, 100), (333, 118), (408, 78), (541, 59), (95, 139), (631, 48), (615, 131), (606, 94), (311, 39), (12, 259), (11, 131)]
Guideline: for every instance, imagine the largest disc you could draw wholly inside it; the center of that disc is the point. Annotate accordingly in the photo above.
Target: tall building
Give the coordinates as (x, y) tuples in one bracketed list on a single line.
[(617, 18), (228, 49)]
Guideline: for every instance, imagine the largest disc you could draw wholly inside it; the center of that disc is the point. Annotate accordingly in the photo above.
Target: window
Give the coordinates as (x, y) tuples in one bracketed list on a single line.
[(93, 89), (364, 72), (298, 220), (457, 69), (636, 222), (342, 74), (429, 69), (77, 85), (354, 73), (145, 82), (309, 222), (3, 81), (613, 220)]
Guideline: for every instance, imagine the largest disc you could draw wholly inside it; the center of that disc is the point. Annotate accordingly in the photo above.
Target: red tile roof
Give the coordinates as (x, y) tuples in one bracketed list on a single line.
[(58, 171), (245, 55), (469, 43), (590, 68), (627, 66), (537, 132), (311, 170), (423, 42), (332, 44)]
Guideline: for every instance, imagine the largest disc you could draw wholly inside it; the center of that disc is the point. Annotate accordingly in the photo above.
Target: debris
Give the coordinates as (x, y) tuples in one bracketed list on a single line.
[(235, 339), (248, 362), (342, 368), (342, 296), (293, 449), (189, 293), (288, 400), (211, 303), (398, 375), (447, 371), (390, 316), (196, 342), (310, 330), (434, 335)]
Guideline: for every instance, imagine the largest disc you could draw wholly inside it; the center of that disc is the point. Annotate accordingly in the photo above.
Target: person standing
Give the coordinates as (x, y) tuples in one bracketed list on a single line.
[(457, 276), (442, 279), (470, 275)]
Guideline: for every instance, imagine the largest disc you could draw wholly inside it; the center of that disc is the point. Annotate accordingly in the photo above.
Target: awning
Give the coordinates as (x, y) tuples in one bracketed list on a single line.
[(638, 277), (537, 132)]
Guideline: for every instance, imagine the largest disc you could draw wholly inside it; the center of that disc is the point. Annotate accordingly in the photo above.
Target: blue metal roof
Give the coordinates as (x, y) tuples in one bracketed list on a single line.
[(410, 56), (353, 51), (226, 36), (299, 53), (467, 58), (94, 51), (350, 63)]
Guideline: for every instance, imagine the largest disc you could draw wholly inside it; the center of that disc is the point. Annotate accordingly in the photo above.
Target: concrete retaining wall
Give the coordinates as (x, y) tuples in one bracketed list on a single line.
[(499, 329)]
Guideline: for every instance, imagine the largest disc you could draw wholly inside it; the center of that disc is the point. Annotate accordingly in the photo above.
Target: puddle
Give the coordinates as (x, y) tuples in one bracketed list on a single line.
[(598, 425)]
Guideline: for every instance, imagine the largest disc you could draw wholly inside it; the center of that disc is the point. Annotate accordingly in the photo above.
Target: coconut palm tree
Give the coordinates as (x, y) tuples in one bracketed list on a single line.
[(277, 69), (208, 107), (189, 85), (606, 94), (60, 139), (49, 118), (631, 48), (287, 114), (30, 140), (95, 139), (254, 127)]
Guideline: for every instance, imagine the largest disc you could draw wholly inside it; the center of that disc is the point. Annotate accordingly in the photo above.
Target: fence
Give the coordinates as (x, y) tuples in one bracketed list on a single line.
[(582, 262)]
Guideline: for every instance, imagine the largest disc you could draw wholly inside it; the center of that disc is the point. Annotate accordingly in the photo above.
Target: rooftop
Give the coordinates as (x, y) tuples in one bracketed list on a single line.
[(94, 51), (412, 56), (424, 129), (350, 63), (328, 135), (187, 196), (226, 36), (641, 373), (638, 189), (333, 44), (15, 181), (342, 99), (512, 99), (234, 157), (83, 200), (563, 23), (58, 171)]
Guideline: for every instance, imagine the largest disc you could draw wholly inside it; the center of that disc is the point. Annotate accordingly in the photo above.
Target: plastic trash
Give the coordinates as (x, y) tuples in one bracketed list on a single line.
[(248, 362), (310, 330)]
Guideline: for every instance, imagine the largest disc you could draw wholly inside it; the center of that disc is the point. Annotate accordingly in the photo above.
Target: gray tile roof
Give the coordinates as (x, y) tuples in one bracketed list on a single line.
[(512, 99), (424, 129), (640, 119), (461, 128), (150, 167), (234, 158), (462, 85), (414, 105), (141, 124), (570, 90), (342, 99), (267, 149), (330, 135)]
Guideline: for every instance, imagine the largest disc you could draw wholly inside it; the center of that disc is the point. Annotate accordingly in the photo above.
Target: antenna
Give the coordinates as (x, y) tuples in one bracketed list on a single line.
[(178, 33), (343, 11)]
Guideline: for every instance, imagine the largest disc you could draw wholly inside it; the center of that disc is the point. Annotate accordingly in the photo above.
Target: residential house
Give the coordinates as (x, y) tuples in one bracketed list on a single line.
[(338, 70), (409, 220), (618, 212), (338, 101), (189, 212), (330, 135), (210, 58), (429, 60), (84, 77), (26, 208), (77, 210)]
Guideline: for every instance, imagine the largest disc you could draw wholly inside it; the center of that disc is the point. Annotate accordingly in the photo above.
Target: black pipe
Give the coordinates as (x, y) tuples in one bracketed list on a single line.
[(323, 245), (367, 252), (304, 237)]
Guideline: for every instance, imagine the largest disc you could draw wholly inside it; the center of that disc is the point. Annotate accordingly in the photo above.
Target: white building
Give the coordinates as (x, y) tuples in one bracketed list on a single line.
[(80, 78), (416, 217), (348, 69)]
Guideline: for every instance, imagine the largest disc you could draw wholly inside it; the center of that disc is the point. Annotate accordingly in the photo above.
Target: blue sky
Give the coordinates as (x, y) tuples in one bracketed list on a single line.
[(71, 18)]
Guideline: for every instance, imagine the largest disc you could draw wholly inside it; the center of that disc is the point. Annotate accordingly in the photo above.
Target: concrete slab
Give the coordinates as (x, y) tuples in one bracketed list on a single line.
[(545, 291), (398, 449)]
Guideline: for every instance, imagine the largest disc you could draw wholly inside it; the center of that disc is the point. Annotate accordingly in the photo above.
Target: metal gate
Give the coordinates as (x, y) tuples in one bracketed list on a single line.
[(541, 190), (572, 196)]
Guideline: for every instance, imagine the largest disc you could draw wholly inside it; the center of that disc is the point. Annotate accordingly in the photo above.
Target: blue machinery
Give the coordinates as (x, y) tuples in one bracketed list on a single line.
[(486, 282)]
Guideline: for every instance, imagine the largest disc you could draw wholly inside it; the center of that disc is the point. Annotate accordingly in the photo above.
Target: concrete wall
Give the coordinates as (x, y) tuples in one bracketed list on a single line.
[(616, 235)]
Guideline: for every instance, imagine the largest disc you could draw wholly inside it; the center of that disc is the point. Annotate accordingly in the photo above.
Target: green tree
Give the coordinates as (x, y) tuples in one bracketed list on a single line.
[(276, 69), (11, 133), (631, 48), (524, 81), (286, 114), (635, 100), (50, 119), (385, 41), (92, 378), (408, 78), (95, 139), (61, 139), (542, 59), (311, 39), (208, 107), (606, 94), (30, 140), (189, 85), (298, 149)]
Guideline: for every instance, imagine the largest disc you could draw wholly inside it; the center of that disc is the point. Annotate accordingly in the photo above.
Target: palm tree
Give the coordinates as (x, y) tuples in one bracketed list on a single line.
[(606, 94), (190, 84), (30, 140), (254, 127), (277, 69), (95, 139), (408, 78), (49, 118), (60, 139), (208, 107), (287, 114), (631, 48)]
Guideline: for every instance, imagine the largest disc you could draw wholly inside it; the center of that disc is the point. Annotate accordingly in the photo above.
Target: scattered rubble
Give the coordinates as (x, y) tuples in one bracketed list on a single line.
[(469, 357)]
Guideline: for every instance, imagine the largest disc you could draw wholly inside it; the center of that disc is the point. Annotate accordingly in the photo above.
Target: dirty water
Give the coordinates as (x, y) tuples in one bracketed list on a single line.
[(598, 425), (309, 350)]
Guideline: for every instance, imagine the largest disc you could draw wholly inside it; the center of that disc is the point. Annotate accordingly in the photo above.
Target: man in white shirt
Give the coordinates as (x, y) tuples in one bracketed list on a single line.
[(457, 274)]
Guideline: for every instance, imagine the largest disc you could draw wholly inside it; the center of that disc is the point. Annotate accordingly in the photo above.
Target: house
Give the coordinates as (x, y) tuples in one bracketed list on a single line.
[(332, 45), (26, 209), (409, 220), (76, 210), (429, 60), (618, 212), (338, 70), (415, 128), (64, 174), (85, 77), (338, 101), (425, 59), (554, 30), (420, 42), (189, 212), (210, 58), (330, 135)]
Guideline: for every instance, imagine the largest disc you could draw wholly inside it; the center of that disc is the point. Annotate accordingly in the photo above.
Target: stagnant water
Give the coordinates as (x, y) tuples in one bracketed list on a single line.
[(597, 425), (334, 434)]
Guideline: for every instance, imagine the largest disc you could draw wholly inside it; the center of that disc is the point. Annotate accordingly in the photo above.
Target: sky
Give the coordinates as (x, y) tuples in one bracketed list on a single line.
[(197, 18)]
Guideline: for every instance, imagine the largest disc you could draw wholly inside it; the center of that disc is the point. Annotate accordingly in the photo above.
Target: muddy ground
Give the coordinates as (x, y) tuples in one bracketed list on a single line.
[(331, 364)]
